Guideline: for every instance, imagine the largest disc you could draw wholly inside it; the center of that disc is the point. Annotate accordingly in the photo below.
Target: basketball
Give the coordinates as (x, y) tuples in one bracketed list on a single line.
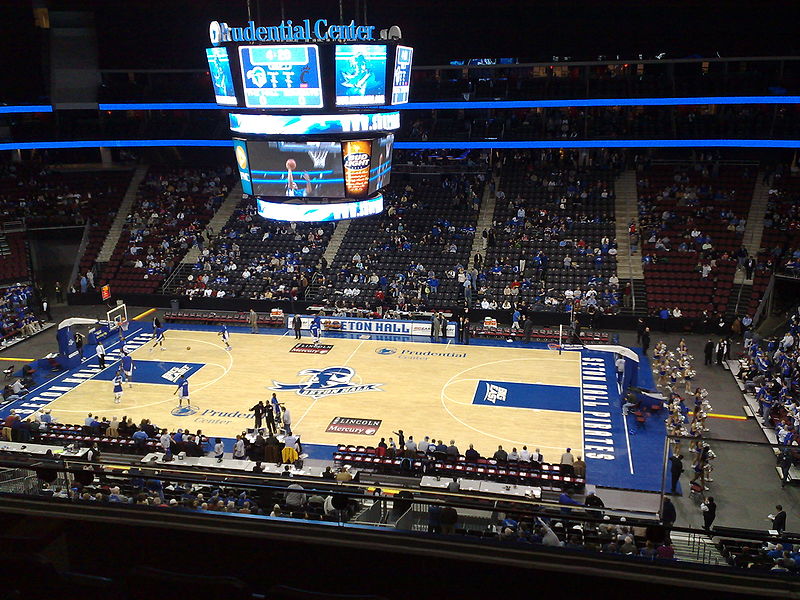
[(291, 164), (188, 347)]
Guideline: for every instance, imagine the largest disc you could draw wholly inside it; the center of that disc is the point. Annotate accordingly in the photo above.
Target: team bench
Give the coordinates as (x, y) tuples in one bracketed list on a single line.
[(204, 317), (545, 335)]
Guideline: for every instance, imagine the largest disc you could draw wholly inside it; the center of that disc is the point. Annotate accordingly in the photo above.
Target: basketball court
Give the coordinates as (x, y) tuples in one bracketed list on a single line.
[(357, 391)]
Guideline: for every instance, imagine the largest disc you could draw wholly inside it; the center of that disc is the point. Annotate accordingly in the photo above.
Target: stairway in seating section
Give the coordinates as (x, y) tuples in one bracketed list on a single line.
[(335, 243), (176, 282), (218, 221), (739, 301), (640, 295), (115, 231), (485, 217), (626, 209), (754, 230), (696, 548)]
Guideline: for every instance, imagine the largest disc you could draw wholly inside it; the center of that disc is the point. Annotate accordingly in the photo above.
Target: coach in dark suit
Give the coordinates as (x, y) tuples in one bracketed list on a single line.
[(259, 410), (708, 351), (675, 469), (779, 520), (297, 323)]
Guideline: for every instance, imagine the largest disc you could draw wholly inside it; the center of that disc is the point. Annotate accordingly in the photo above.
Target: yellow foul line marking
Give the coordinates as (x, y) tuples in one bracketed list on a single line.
[(144, 314), (18, 359), (721, 416)]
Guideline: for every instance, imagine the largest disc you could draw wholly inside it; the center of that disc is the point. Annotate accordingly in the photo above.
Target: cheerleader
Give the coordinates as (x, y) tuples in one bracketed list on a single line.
[(662, 374), (682, 347), (688, 377), (674, 375)]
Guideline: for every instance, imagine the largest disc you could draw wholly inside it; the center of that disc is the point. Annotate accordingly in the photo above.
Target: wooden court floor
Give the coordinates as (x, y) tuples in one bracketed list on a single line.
[(422, 388)]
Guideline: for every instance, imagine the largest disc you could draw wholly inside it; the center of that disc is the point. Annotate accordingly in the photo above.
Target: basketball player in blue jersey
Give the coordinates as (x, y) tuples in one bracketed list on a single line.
[(158, 338), (293, 188), (316, 329), (225, 337), (182, 391), (118, 386), (127, 367)]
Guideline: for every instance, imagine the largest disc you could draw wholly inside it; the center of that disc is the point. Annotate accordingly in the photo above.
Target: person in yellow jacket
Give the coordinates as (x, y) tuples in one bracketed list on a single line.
[(289, 455)]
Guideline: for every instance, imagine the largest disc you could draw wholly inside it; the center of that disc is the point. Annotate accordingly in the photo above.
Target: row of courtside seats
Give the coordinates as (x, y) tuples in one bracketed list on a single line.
[(220, 318)]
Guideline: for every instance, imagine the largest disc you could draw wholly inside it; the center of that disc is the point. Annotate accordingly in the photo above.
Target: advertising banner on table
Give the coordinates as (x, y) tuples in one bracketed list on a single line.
[(376, 326)]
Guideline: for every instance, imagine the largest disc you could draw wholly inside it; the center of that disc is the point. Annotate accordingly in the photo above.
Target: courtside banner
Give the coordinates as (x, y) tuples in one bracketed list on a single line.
[(376, 326), (354, 426), (312, 348)]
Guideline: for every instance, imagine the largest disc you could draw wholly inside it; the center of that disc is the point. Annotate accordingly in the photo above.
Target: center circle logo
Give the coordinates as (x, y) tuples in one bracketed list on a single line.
[(184, 411), (385, 351), (241, 157), (214, 32)]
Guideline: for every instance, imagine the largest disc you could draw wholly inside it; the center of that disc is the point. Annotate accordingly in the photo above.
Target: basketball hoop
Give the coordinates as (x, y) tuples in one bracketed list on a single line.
[(554, 347), (318, 158)]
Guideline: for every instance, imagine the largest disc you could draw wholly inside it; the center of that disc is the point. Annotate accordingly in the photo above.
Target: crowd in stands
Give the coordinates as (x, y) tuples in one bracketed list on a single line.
[(552, 244), (252, 257), (167, 219), (781, 224), (411, 256), (691, 224), (46, 197), (19, 309), (769, 370)]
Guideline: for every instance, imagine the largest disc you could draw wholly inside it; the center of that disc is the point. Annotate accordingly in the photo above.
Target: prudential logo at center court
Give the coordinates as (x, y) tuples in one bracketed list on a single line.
[(329, 381)]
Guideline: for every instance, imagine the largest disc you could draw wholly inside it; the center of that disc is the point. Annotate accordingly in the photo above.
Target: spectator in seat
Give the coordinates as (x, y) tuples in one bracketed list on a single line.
[(449, 518), (594, 501), (579, 467), (452, 449), (567, 462), (295, 499), (628, 547), (566, 501), (343, 476), (140, 440), (500, 455), (471, 454)]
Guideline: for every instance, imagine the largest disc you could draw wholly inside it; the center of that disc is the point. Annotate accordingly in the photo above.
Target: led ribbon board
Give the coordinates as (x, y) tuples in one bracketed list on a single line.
[(313, 124), (320, 212)]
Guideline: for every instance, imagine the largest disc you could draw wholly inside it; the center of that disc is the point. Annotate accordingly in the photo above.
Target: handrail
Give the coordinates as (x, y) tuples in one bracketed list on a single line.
[(766, 298), (79, 254)]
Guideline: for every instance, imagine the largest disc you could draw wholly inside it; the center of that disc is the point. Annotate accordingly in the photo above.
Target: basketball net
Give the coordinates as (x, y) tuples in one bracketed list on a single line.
[(318, 158)]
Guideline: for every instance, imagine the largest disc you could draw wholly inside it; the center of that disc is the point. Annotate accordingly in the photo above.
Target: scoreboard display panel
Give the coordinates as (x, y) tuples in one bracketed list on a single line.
[(219, 67), (296, 169), (401, 83), (380, 163), (360, 71), (243, 164), (281, 76)]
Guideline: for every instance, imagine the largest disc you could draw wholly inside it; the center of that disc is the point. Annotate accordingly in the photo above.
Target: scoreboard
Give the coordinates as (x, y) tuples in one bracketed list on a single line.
[(312, 123), (281, 76)]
